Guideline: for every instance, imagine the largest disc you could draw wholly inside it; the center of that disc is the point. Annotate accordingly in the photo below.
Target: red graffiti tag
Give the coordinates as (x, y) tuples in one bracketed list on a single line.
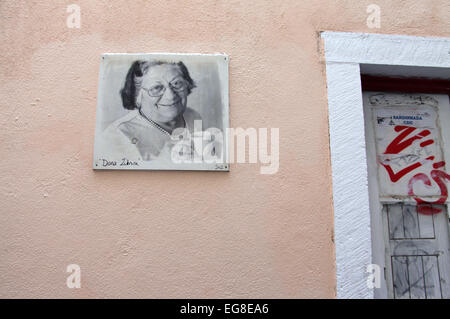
[(395, 177), (400, 143), (439, 177)]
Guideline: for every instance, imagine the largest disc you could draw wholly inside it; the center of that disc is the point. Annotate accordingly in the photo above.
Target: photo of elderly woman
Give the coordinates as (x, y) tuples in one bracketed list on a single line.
[(162, 112)]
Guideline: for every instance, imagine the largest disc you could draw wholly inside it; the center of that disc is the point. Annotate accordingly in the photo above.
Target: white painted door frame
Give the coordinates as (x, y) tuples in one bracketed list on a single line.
[(344, 52)]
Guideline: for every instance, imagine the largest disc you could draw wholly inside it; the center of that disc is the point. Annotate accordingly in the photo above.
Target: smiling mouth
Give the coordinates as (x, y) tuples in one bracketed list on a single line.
[(168, 105)]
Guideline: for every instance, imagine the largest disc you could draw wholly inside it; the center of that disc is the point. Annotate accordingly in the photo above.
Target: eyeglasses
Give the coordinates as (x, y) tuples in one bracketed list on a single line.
[(177, 85)]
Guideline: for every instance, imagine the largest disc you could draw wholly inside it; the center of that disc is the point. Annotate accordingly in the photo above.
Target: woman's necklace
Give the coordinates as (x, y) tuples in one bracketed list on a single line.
[(157, 125)]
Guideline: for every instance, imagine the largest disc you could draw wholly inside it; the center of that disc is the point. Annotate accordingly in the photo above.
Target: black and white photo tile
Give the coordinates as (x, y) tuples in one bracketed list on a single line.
[(162, 112)]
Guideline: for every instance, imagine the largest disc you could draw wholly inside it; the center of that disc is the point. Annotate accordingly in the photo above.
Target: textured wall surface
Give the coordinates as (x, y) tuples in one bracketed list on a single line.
[(173, 234)]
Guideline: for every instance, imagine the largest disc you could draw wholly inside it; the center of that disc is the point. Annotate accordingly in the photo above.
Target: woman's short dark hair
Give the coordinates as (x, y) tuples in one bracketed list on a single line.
[(134, 76)]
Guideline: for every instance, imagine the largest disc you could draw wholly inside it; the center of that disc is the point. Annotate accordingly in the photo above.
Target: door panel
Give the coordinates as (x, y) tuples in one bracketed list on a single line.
[(409, 166), (419, 259)]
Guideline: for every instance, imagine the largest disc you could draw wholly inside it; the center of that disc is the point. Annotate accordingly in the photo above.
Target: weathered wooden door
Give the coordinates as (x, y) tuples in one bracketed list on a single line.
[(408, 142)]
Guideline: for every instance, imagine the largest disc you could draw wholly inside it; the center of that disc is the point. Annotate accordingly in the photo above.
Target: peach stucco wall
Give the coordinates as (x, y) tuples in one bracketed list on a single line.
[(173, 234)]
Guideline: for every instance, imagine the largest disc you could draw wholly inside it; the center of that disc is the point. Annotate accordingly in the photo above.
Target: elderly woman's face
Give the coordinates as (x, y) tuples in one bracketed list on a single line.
[(164, 93)]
